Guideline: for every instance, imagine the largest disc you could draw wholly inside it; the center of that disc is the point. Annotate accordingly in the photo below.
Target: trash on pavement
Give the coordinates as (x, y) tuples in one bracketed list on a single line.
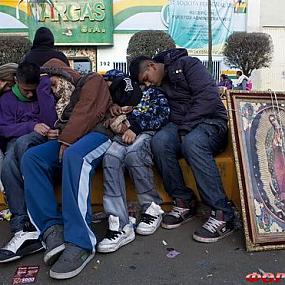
[(172, 253), (25, 275), (164, 242), (5, 215)]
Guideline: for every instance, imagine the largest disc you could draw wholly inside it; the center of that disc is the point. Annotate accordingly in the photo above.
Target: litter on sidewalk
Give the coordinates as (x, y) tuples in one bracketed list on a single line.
[(172, 253), (25, 275), (5, 215)]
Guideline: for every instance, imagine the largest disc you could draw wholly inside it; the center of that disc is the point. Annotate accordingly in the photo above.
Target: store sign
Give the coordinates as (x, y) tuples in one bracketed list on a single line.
[(75, 23)]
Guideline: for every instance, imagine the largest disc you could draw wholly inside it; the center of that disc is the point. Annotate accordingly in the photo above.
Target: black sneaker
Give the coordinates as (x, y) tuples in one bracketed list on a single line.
[(182, 212), (53, 239), (215, 228), (22, 243)]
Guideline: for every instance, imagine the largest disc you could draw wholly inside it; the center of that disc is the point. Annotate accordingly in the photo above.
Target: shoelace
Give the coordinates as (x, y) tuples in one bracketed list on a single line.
[(113, 234), (212, 224), (148, 219), (14, 240), (177, 211)]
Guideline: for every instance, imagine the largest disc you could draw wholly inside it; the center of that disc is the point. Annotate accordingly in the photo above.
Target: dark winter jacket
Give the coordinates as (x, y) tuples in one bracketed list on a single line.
[(191, 91), (43, 48), (18, 118)]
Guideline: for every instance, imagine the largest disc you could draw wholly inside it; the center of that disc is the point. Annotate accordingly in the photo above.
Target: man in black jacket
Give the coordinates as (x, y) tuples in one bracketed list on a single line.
[(43, 48), (197, 130)]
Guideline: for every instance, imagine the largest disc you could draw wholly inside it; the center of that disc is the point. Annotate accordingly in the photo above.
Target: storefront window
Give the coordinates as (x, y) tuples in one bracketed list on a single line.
[(83, 66)]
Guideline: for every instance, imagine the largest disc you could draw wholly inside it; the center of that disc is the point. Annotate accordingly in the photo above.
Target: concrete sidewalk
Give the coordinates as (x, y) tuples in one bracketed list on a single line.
[(144, 261)]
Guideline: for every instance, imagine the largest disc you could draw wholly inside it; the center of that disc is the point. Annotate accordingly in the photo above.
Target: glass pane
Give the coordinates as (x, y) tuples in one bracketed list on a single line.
[(83, 66)]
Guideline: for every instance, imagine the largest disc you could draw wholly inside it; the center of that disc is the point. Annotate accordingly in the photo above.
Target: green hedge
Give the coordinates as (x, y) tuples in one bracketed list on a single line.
[(13, 48), (149, 43)]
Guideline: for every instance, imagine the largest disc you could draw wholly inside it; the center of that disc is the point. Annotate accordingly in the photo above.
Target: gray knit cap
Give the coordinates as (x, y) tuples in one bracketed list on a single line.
[(8, 71)]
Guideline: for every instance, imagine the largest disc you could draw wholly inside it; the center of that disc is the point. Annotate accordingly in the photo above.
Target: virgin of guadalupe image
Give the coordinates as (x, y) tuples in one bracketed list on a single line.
[(267, 163), (276, 159)]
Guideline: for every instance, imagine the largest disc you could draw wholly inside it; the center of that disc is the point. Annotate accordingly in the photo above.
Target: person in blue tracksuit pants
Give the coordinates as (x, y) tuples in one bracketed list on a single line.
[(70, 242), (79, 162)]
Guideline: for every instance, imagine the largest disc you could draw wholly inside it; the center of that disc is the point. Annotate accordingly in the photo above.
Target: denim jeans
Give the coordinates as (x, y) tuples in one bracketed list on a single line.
[(198, 148), (137, 158), (12, 178), (1, 166)]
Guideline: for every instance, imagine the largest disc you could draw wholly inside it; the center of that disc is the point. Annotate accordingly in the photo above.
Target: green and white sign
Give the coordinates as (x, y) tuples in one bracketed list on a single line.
[(75, 22)]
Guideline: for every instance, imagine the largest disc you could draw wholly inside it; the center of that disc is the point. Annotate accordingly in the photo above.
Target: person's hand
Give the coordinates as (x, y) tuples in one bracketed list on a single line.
[(62, 149), (53, 134), (129, 136), (41, 129), (115, 110)]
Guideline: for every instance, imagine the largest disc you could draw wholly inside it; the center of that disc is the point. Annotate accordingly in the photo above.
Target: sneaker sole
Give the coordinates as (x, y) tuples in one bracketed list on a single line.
[(67, 275), (170, 227), (209, 240), (117, 246), (21, 256), (51, 257), (146, 233)]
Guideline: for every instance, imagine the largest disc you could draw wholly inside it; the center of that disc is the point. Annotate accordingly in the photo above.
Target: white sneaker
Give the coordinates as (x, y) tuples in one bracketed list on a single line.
[(21, 244), (116, 238), (150, 220)]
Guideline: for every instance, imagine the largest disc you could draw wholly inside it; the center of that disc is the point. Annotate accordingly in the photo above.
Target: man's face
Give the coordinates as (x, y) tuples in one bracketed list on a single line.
[(28, 90), (150, 74)]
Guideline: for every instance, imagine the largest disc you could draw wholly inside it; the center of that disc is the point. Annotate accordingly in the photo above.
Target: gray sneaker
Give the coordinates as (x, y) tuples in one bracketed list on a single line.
[(71, 262), (53, 238)]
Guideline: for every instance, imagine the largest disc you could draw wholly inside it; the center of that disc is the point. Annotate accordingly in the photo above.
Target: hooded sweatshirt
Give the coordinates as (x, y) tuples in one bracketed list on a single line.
[(67, 79), (43, 48)]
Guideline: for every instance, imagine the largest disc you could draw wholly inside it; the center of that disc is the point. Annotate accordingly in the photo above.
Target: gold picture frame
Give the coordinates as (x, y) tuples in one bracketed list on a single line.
[(257, 123)]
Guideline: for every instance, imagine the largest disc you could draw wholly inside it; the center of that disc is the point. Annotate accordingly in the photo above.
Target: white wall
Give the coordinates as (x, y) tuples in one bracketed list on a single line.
[(106, 56), (274, 77), (253, 15), (271, 20), (272, 12)]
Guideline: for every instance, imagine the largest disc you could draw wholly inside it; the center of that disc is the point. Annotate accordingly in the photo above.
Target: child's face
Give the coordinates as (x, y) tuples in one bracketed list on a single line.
[(28, 90)]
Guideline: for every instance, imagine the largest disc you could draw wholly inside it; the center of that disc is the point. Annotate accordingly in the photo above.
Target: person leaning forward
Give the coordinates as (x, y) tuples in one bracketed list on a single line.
[(197, 130), (70, 242)]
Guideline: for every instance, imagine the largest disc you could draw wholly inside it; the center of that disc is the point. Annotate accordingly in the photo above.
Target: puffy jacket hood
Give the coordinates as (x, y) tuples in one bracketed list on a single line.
[(43, 37), (171, 55), (58, 68)]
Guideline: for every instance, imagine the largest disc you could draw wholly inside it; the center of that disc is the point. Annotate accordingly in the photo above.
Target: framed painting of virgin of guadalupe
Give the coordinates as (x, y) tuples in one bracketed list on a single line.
[(257, 122)]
